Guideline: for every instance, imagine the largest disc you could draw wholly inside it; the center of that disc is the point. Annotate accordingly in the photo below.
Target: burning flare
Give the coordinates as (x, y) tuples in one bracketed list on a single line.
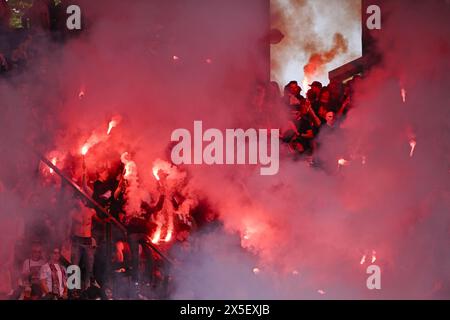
[(374, 256), (412, 144), (84, 149), (130, 166), (168, 236), (305, 84), (363, 260), (54, 160), (403, 94), (155, 173), (157, 235), (342, 162), (113, 123)]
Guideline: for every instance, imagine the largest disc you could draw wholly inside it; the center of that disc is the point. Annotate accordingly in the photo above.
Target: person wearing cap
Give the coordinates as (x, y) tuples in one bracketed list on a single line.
[(313, 95), (292, 96), (316, 86)]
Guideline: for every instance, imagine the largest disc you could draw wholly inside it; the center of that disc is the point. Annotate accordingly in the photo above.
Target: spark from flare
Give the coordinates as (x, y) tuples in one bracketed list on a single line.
[(322, 292), (256, 270)]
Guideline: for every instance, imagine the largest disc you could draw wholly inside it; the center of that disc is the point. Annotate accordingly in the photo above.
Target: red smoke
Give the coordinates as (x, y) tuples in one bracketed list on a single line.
[(305, 232), (318, 60)]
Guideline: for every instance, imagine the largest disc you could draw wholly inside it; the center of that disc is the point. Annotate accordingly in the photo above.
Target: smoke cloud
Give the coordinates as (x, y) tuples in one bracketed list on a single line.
[(312, 235), (310, 29), (299, 234)]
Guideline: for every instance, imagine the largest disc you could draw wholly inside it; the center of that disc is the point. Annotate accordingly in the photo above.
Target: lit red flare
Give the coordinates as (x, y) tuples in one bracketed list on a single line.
[(342, 162), (168, 236), (84, 149), (130, 166), (363, 260), (305, 84), (155, 173), (54, 160), (412, 144), (403, 93), (374, 256), (113, 123), (157, 235), (365, 257)]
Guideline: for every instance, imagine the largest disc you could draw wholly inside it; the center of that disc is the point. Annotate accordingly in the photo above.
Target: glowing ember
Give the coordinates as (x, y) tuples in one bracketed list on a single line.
[(175, 58), (208, 61), (295, 273), (403, 93), (322, 292), (256, 270), (363, 260), (412, 144), (81, 94)]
